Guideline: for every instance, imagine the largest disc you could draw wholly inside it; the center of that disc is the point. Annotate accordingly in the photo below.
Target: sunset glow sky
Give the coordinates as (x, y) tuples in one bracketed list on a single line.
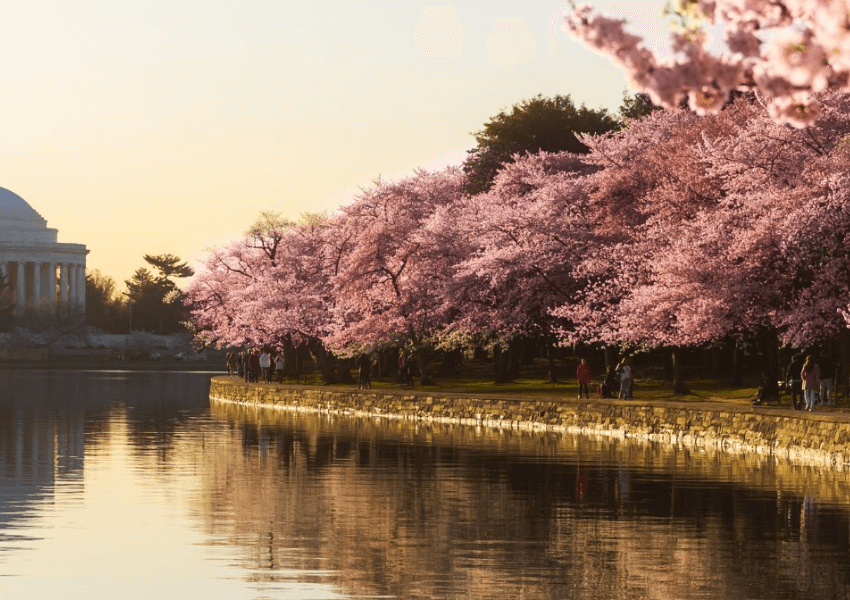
[(167, 126)]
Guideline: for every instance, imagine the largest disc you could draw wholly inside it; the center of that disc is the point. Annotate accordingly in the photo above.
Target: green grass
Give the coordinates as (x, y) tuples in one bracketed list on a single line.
[(476, 378)]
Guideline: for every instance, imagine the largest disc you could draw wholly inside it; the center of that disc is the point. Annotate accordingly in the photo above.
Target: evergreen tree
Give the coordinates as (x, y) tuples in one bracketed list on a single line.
[(549, 124), (155, 300)]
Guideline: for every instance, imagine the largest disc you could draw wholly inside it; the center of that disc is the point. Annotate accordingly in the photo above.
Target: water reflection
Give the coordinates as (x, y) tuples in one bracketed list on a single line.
[(130, 485), (441, 511)]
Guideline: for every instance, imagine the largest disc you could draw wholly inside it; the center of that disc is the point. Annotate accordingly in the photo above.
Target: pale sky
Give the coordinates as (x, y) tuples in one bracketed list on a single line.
[(166, 126)]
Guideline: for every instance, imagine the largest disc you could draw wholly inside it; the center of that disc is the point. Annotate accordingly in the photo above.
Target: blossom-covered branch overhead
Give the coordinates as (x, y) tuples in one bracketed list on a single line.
[(786, 50)]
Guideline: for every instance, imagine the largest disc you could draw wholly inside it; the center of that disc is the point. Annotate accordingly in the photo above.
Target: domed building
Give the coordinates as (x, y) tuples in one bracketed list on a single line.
[(43, 273)]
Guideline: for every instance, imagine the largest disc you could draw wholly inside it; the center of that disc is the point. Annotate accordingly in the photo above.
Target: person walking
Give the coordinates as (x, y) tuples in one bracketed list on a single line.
[(584, 377), (827, 380), (810, 376), (233, 363), (794, 383), (254, 357), (265, 366)]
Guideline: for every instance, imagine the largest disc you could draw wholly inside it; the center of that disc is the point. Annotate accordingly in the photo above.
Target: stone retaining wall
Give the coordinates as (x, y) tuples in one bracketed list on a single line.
[(811, 438)]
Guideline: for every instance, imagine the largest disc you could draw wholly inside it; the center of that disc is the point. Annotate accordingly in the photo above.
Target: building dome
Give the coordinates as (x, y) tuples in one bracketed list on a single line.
[(15, 208), (20, 223), (42, 272)]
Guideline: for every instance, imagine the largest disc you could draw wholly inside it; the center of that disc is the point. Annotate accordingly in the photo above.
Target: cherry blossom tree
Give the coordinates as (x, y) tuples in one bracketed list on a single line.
[(734, 224), (271, 289), (386, 287), (787, 50), (678, 231), (526, 234)]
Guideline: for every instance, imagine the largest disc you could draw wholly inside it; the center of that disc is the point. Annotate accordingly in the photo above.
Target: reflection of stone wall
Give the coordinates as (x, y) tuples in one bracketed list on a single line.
[(399, 508), (820, 439), (750, 471)]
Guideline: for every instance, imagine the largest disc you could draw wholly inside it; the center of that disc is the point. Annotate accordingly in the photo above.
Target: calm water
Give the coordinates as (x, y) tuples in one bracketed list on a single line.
[(130, 485)]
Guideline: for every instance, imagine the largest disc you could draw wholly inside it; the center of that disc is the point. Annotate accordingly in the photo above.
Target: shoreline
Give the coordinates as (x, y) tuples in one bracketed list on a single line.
[(819, 438), (112, 365)]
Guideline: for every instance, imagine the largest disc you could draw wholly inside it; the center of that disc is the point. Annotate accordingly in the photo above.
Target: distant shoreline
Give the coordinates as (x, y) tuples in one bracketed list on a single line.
[(113, 365)]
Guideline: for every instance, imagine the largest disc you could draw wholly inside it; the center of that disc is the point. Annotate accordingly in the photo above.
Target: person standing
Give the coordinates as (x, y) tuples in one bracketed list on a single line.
[(827, 380), (625, 370), (246, 366), (611, 384), (584, 377), (794, 383), (278, 366), (810, 376), (265, 366), (364, 374), (255, 365)]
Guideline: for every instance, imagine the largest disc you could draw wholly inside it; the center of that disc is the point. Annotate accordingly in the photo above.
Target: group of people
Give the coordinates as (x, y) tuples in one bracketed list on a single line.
[(255, 365), (618, 382), (811, 381)]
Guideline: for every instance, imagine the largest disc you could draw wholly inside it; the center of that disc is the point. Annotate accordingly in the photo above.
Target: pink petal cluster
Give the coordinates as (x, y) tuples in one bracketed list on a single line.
[(678, 230), (787, 50)]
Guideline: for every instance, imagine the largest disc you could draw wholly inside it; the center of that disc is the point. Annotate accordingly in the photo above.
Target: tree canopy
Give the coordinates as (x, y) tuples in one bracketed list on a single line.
[(786, 50), (104, 308), (679, 230), (154, 298), (539, 124)]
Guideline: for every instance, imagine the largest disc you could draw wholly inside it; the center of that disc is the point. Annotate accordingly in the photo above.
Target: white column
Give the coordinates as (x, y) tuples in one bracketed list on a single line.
[(81, 295), (71, 286), (36, 286), (63, 285), (51, 284), (75, 285), (20, 290)]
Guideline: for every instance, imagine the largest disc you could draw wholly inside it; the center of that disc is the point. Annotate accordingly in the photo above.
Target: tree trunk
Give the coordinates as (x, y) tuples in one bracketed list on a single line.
[(715, 362), (737, 378), (774, 368), (422, 357), (500, 365), (843, 363), (290, 359), (610, 357), (513, 358), (550, 359), (326, 361), (679, 386), (450, 360)]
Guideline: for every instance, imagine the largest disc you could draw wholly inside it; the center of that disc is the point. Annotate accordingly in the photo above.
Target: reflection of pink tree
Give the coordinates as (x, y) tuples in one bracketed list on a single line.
[(386, 289), (807, 51)]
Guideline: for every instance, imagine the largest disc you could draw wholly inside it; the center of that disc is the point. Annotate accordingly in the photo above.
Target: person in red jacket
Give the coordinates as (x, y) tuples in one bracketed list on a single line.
[(584, 377)]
